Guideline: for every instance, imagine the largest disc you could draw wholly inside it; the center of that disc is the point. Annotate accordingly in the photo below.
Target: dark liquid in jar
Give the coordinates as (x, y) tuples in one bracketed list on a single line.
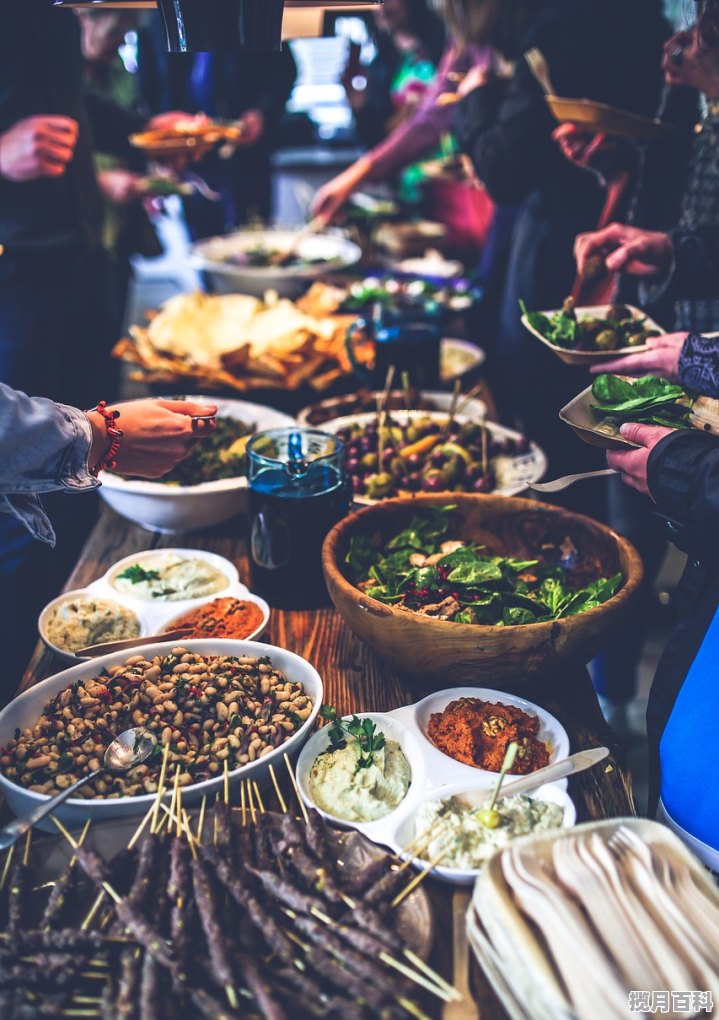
[(289, 519)]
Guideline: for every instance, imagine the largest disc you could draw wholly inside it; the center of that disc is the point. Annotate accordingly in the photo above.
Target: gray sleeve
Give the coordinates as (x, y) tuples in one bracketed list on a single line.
[(44, 446)]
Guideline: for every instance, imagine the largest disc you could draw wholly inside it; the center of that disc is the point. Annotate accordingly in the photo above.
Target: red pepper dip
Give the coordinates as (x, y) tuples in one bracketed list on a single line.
[(221, 618)]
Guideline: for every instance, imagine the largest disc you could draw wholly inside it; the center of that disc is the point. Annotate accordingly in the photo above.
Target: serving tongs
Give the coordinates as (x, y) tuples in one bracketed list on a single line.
[(281, 258)]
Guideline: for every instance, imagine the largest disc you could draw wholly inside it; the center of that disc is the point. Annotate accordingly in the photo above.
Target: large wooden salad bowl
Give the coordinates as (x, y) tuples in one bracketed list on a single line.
[(517, 656)]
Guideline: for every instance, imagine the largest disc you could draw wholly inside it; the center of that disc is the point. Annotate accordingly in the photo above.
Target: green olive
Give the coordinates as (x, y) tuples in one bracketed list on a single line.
[(412, 434), (489, 819), (380, 485), (607, 340), (369, 461), (636, 339)]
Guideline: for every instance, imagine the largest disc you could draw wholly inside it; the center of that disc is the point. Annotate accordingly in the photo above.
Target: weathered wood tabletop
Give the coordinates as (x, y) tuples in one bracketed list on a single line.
[(356, 680)]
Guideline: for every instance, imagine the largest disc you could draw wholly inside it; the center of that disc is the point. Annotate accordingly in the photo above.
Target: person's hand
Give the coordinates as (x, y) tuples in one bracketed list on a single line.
[(475, 78), (580, 146), (661, 359), (625, 249), (157, 434), (687, 61), (120, 186), (252, 125), (333, 196), (37, 147), (632, 464)]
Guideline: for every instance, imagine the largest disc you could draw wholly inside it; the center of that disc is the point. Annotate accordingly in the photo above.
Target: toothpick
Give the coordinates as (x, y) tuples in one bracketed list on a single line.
[(178, 806), (296, 787), (259, 798), (412, 1008), (143, 823), (226, 782), (280, 798), (243, 804), (160, 786), (188, 833)]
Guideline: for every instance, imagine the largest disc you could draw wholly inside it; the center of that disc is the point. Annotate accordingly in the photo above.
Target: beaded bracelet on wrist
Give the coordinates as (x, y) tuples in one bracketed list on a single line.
[(108, 461)]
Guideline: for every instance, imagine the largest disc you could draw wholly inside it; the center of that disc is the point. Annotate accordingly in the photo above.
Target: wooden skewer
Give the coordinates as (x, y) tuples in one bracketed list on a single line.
[(260, 802), (416, 978), (178, 802), (93, 911), (6, 869), (26, 854), (201, 819), (433, 975), (243, 803), (141, 826), (474, 392), (253, 815), (160, 787), (296, 787), (418, 878), (412, 1008), (226, 782), (280, 798)]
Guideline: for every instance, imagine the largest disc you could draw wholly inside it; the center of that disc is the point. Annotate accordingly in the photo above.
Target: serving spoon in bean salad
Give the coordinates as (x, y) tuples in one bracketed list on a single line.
[(131, 748)]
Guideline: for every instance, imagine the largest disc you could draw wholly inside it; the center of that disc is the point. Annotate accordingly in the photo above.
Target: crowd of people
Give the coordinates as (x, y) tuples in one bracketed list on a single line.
[(566, 199)]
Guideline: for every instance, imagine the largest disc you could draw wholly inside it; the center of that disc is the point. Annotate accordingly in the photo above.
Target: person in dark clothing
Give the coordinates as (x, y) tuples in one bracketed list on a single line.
[(679, 470), (58, 314), (607, 51), (250, 87)]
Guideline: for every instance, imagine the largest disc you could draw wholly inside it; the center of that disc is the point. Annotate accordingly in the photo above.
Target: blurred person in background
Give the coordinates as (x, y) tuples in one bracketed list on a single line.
[(606, 50), (58, 308), (420, 133), (251, 88), (127, 228), (409, 39)]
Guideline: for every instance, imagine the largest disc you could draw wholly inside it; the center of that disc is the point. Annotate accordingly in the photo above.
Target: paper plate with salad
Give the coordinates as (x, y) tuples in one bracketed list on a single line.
[(581, 336)]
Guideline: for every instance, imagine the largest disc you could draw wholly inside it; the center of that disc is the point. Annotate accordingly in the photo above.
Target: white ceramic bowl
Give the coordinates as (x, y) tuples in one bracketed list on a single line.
[(153, 615), (405, 830), (412, 749), (337, 253), (27, 708), (175, 508), (513, 473)]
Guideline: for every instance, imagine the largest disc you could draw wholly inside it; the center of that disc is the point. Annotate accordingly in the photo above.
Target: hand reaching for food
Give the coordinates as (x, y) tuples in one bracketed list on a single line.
[(580, 146), (120, 186), (36, 147), (156, 435), (661, 359), (333, 196), (625, 249), (632, 464)]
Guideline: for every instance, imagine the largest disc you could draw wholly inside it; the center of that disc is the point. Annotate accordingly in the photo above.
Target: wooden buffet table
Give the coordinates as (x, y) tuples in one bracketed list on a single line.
[(356, 680)]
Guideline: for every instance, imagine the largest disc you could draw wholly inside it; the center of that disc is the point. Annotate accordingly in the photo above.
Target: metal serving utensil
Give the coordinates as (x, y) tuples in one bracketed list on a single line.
[(106, 647), (563, 483), (131, 748)]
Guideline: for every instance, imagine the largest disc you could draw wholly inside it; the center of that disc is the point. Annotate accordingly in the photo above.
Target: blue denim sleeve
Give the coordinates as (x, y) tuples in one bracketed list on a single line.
[(43, 448), (699, 365)]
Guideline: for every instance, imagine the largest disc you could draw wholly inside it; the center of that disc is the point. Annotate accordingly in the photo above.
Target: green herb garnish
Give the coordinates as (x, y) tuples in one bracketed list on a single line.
[(364, 731), (135, 574), (650, 400)]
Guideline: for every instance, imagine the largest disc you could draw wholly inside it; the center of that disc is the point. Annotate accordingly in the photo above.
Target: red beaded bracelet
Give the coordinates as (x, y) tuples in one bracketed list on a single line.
[(108, 460)]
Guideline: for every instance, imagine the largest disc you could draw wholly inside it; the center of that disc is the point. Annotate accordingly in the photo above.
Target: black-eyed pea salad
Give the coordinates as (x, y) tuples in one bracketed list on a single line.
[(208, 709)]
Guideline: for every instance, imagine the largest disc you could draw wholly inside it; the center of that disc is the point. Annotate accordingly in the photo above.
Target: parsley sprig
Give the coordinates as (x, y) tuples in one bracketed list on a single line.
[(364, 731), (135, 574)]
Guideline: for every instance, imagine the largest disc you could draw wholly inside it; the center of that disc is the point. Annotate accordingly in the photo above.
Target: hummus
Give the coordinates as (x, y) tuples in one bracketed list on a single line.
[(360, 795), (84, 621), (169, 578), (467, 842)]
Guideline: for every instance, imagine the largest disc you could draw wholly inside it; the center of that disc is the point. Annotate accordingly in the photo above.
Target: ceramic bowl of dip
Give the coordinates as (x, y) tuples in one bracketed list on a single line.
[(319, 744), (407, 829)]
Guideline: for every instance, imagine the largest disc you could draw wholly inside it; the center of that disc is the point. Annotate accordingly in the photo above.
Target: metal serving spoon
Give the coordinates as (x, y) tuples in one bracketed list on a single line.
[(129, 749)]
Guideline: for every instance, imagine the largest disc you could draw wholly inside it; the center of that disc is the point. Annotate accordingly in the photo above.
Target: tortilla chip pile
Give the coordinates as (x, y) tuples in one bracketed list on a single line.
[(239, 342)]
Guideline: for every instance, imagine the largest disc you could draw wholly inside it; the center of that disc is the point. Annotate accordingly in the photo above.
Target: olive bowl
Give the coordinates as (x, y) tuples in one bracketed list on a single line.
[(518, 658)]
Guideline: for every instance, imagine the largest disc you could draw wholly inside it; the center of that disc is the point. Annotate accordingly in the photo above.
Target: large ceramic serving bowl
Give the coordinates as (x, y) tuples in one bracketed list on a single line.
[(511, 657), (333, 252), (27, 708), (176, 508)]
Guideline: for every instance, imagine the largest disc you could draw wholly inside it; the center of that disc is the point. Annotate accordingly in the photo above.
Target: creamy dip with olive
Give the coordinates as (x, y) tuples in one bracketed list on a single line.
[(170, 578), (355, 794), (467, 842), (84, 621)]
